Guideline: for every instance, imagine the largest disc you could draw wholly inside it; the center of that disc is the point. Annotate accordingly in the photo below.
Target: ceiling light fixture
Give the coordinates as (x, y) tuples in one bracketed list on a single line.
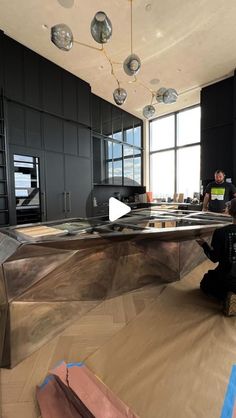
[(101, 28), (66, 3), (167, 96), (101, 31), (132, 63)]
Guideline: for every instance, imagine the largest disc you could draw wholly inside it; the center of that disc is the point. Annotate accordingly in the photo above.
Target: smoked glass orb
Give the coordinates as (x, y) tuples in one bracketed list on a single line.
[(101, 28), (120, 96), (132, 65), (148, 111), (62, 36)]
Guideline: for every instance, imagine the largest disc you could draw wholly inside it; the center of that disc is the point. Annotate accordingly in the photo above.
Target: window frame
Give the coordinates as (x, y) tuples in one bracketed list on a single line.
[(123, 143), (176, 147)]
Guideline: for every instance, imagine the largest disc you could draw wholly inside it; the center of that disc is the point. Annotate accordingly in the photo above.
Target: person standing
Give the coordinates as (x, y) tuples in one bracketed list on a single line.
[(218, 192)]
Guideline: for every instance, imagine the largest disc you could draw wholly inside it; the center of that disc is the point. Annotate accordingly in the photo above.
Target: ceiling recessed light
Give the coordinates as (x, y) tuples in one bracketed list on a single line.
[(155, 81), (148, 7), (159, 34), (66, 3)]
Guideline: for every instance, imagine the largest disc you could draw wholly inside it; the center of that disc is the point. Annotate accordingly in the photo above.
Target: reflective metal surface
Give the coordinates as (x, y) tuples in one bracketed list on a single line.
[(47, 281)]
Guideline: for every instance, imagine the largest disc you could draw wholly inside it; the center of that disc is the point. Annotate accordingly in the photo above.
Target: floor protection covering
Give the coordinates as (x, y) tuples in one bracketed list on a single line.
[(72, 391), (175, 358)]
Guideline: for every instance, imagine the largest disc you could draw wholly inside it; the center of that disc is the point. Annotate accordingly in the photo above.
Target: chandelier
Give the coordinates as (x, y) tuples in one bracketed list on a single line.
[(101, 31)]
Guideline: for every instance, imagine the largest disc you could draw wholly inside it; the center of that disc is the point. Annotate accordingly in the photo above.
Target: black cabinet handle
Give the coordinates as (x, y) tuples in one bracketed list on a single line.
[(69, 201)]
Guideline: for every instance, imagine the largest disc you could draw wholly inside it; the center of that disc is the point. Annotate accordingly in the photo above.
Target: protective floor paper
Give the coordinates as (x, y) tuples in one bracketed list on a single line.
[(175, 358), (72, 391)]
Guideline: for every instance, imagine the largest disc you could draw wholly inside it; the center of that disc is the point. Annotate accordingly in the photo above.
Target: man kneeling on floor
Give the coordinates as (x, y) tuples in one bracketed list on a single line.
[(221, 282)]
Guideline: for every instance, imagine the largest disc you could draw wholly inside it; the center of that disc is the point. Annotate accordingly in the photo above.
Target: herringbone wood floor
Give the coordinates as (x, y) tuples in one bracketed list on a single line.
[(76, 343)]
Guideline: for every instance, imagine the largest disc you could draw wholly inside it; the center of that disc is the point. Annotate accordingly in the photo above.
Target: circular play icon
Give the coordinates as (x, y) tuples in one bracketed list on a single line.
[(113, 209)]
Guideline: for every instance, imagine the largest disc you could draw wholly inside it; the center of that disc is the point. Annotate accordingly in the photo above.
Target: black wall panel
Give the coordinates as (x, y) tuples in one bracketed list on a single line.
[(106, 113), (54, 179), (218, 130), (84, 142), (128, 121), (33, 128), (48, 110), (77, 185), (70, 138), (117, 119), (32, 79), (69, 86), (15, 123), (84, 185), (84, 102), (217, 103), (13, 69), (53, 133), (96, 113), (51, 87), (216, 151)]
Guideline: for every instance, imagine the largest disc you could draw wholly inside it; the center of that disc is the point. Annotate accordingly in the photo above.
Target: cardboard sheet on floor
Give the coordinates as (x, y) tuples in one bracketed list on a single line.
[(175, 358), (72, 391), (54, 402)]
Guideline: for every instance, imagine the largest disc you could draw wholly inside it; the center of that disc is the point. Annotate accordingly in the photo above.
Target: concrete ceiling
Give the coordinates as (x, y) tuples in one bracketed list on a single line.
[(183, 44)]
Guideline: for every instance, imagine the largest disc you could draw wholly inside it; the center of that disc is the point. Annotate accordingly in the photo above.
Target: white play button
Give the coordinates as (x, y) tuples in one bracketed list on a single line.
[(117, 209)]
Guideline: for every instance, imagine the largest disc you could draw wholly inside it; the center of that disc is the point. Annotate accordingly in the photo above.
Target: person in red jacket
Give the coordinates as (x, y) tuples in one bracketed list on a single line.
[(221, 282)]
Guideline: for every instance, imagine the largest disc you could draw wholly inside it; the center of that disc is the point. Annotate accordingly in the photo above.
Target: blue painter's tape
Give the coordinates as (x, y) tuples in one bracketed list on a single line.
[(58, 364), (46, 380), (80, 364), (230, 397)]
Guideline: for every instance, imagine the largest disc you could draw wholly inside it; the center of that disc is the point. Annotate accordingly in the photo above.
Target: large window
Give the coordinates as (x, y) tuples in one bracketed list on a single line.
[(175, 154), (117, 160)]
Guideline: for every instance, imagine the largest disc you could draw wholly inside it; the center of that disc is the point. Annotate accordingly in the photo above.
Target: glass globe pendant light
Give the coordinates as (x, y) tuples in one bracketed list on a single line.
[(166, 96), (170, 96), (132, 63), (62, 36), (120, 96), (101, 28), (160, 94), (101, 31), (149, 111)]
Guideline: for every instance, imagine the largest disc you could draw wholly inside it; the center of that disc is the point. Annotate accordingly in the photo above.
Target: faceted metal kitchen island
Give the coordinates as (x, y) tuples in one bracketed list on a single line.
[(55, 272)]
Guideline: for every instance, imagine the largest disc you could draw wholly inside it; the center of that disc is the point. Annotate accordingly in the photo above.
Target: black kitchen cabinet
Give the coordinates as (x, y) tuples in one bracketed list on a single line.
[(69, 90), (77, 186), (55, 190), (51, 87), (13, 69), (70, 138), (15, 124), (96, 114), (84, 142), (33, 128), (32, 91), (68, 185), (47, 186), (106, 114), (53, 133), (84, 109)]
